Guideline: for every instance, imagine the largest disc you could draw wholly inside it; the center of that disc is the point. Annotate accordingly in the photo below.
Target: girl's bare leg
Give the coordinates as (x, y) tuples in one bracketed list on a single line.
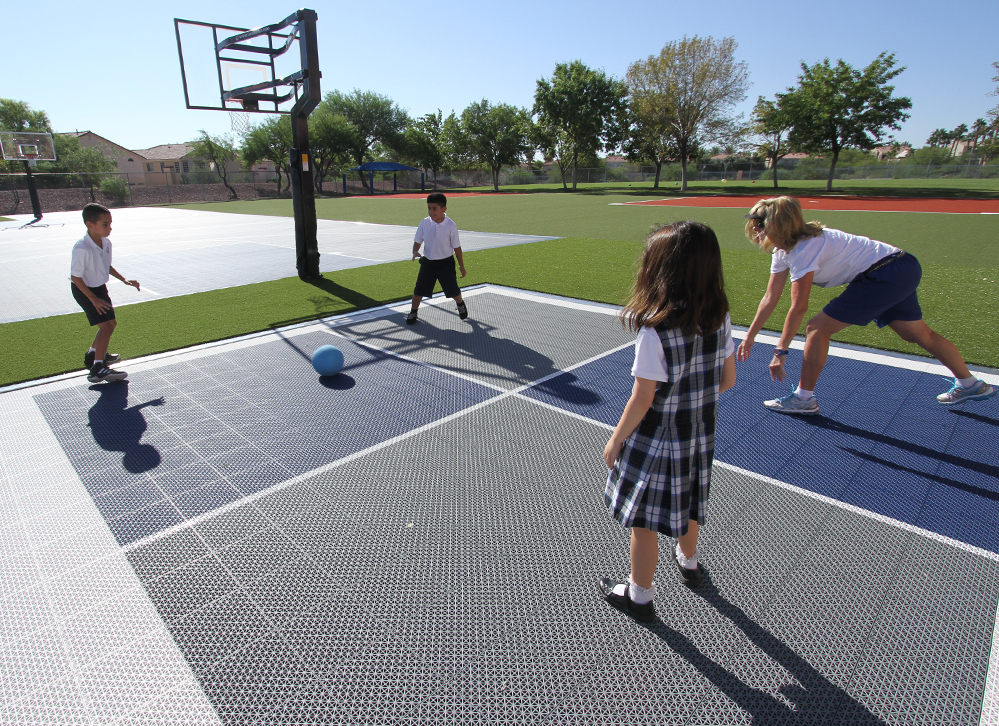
[(688, 542), (644, 555)]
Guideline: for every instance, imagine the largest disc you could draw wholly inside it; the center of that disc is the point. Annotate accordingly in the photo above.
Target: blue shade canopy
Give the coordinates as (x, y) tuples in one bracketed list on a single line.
[(383, 166)]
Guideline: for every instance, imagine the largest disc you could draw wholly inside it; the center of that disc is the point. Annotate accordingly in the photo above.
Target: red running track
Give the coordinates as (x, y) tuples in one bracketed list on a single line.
[(842, 204)]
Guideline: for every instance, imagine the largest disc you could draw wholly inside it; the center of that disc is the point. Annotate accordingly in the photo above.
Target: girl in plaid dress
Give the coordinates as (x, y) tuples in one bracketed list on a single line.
[(661, 451)]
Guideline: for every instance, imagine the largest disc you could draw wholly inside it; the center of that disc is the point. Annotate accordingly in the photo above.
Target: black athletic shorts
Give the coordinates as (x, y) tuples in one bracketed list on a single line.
[(94, 317), (433, 270)]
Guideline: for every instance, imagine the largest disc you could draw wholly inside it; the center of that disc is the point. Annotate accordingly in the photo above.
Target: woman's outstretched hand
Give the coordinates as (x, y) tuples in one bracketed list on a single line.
[(742, 354)]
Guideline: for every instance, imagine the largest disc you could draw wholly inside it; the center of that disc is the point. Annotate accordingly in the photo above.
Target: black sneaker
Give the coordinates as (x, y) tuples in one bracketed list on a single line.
[(411, 318), (645, 612), (88, 359), (101, 373), (462, 310)]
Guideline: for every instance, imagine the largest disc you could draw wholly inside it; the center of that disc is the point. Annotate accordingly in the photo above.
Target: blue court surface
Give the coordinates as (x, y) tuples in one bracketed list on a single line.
[(228, 537)]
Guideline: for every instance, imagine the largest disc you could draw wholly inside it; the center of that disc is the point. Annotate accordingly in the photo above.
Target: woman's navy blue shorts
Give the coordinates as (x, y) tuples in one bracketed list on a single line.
[(433, 270), (885, 295), (94, 317)]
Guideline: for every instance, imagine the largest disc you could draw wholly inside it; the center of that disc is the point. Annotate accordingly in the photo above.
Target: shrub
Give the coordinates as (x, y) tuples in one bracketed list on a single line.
[(115, 188)]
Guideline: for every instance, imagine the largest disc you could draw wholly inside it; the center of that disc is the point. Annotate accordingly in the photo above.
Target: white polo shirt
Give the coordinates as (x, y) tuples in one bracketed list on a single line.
[(440, 239), (834, 256), (91, 263)]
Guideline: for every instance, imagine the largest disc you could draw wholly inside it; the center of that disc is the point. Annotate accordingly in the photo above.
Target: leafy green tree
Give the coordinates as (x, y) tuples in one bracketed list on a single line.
[(650, 141), (771, 123), (332, 137), (556, 147), (496, 135), (690, 89), (582, 111), (218, 151), (940, 137), (425, 143), (269, 141), (455, 142), (835, 107), (92, 164), (374, 118)]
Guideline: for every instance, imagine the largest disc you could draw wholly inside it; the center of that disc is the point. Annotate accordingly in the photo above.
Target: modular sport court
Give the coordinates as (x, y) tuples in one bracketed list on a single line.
[(417, 540)]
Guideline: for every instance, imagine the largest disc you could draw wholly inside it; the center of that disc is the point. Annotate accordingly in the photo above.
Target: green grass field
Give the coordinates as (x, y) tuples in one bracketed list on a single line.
[(595, 260)]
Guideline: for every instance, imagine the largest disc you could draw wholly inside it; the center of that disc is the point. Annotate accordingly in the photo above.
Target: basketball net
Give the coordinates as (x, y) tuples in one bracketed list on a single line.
[(239, 119)]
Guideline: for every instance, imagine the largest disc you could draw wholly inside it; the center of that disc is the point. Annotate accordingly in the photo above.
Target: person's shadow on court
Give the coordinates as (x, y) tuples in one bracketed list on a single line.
[(813, 699), (116, 427)]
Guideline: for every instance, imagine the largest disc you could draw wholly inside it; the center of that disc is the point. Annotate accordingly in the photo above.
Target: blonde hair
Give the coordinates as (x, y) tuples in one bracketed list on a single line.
[(782, 223)]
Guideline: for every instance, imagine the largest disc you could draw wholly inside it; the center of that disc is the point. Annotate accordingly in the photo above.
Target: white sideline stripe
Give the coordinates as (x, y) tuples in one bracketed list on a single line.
[(649, 203)]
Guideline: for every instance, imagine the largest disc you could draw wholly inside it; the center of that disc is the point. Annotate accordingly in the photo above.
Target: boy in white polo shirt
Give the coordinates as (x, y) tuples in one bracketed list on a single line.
[(90, 271), (440, 234)]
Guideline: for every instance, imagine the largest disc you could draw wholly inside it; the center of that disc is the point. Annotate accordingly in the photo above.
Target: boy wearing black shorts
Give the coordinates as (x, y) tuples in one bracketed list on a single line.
[(90, 271), (440, 234)]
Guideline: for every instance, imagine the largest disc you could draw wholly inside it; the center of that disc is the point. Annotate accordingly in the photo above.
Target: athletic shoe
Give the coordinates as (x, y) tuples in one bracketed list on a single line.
[(411, 318), (462, 310), (106, 374), (645, 612), (959, 394), (691, 576), (109, 358), (792, 404)]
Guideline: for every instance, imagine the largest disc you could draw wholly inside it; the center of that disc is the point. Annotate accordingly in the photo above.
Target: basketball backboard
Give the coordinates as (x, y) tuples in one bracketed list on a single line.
[(259, 70), (28, 146)]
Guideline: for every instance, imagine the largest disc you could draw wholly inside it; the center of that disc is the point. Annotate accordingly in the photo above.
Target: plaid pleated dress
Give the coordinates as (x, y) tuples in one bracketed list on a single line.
[(662, 478)]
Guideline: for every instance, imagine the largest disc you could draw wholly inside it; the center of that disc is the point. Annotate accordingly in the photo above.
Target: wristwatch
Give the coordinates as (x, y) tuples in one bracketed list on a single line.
[(780, 353)]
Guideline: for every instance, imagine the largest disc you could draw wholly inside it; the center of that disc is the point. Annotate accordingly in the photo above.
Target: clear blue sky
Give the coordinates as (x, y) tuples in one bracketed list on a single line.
[(112, 67)]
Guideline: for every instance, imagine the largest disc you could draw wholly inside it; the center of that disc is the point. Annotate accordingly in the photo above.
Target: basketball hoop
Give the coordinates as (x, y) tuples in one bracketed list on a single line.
[(32, 159)]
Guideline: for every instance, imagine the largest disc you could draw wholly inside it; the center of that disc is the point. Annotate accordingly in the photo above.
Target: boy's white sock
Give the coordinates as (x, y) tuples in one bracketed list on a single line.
[(638, 594), (689, 563), (967, 382), (803, 394), (93, 350)]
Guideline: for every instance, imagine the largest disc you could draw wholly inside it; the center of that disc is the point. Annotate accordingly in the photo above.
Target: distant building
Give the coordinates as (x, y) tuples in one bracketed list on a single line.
[(891, 152), (158, 165)]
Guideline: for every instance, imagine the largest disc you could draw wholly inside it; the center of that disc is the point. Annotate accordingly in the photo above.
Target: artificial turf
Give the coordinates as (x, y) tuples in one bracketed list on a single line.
[(595, 260)]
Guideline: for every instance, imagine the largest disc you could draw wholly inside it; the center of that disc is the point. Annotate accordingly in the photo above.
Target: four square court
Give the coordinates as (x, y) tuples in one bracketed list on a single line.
[(417, 540)]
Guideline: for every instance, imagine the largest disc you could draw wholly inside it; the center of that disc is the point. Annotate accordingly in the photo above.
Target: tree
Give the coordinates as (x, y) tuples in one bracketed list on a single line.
[(218, 151), (839, 107), (771, 122), (374, 118), (649, 141), (940, 137), (425, 143), (978, 131), (496, 135), (956, 136), (92, 164), (581, 110), (690, 87), (269, 141), (332, 136)]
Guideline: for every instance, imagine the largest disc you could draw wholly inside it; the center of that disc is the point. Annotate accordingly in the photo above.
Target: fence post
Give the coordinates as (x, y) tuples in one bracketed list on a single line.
[(423, 181), (129, 185), (344, 183), (395, 183), (371, 182)]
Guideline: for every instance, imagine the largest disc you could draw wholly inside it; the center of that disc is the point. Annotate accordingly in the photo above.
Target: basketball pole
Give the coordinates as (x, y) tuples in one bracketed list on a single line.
[(36, 206), (302, 182)]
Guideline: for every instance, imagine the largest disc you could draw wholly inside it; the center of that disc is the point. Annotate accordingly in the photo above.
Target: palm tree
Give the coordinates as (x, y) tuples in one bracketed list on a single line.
[(978, 130), (957, 135), (938, 138)]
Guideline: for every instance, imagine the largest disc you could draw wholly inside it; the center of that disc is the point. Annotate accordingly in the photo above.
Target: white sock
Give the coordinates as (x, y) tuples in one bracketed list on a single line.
[(93, 350), (638, 594), (967, 382), (803, 394), (688, 563)]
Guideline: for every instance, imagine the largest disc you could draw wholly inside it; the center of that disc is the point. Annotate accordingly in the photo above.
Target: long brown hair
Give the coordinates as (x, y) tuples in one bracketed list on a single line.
[(680, 281)]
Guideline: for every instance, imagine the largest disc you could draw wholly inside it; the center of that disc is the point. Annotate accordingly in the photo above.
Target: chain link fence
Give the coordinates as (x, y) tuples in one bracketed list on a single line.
[(69, 191)]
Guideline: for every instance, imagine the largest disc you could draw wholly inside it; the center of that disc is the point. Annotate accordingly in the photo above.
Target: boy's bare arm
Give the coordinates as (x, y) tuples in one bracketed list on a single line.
[(416, 249), (461, 261), (133, 283)]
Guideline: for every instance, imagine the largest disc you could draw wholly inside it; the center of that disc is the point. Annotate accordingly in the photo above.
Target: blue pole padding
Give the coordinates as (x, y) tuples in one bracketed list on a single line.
[(395, 184), (423, 181), (371, 182), (344, 183)]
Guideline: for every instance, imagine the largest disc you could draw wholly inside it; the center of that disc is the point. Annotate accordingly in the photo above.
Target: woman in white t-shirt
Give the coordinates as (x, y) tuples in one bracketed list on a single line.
[(881, 285)]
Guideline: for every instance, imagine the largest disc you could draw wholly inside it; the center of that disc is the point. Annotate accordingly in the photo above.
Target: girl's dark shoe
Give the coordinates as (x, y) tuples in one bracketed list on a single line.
[(624, 603)]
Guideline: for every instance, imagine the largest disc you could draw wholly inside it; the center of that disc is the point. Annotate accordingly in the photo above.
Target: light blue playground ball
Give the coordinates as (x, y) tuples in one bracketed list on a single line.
[(327, 360)]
